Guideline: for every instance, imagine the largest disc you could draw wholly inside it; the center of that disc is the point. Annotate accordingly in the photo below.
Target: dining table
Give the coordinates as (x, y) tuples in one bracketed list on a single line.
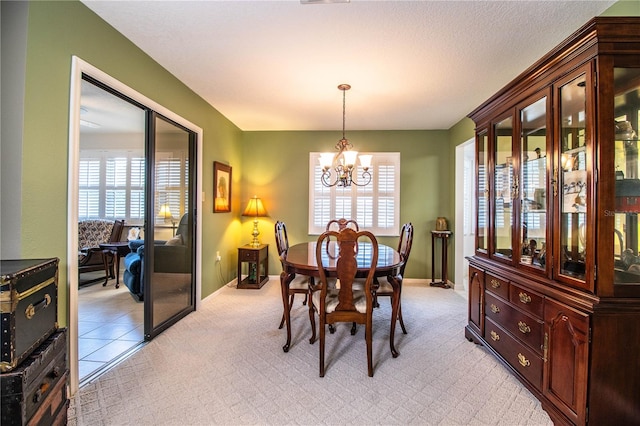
[(300, 259)]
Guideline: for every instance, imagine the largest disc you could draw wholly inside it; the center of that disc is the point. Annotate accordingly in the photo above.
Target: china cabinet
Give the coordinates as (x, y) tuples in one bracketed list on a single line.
[(554, 285)]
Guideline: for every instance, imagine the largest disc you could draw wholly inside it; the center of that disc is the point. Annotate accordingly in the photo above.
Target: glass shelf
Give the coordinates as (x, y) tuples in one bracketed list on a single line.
[(626, 240)]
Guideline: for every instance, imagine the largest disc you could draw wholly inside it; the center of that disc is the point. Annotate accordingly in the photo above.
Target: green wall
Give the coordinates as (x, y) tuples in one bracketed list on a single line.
[(56, 31), (623, 8), (276, 166)]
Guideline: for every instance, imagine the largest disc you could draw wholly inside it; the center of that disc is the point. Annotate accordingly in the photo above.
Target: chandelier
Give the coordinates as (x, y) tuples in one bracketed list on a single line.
[(343, 163)]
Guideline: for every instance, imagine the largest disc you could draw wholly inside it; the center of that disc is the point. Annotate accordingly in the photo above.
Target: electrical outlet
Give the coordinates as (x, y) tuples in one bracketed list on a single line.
[(218, 258)]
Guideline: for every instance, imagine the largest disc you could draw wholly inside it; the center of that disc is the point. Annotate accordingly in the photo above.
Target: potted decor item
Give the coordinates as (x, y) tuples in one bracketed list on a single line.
[(441, 224)]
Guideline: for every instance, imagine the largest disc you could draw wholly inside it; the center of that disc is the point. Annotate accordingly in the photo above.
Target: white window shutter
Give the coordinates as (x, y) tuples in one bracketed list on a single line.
[(376, 206)]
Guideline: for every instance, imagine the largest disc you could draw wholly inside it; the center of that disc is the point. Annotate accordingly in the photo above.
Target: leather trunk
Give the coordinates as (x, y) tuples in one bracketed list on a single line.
[(36, 391), (28, 307)]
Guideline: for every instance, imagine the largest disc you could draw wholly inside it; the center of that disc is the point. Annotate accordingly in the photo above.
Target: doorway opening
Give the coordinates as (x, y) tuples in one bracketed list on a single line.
[(465, 210), (161, 125), (111, 194)]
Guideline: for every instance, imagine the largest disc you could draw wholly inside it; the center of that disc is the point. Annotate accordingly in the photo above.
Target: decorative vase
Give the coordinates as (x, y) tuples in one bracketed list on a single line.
[(441, 224)]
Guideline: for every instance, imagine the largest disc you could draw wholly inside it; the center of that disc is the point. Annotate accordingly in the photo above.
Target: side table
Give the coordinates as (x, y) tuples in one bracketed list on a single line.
[(258, 260), (444, 237), (115, 250)]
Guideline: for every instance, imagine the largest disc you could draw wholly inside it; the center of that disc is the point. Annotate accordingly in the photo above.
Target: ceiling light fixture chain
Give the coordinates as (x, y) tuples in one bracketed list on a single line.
[(344, 162)]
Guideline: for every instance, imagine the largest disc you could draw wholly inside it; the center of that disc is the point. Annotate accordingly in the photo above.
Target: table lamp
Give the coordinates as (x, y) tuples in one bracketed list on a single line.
[(256, 209), (165, 213)]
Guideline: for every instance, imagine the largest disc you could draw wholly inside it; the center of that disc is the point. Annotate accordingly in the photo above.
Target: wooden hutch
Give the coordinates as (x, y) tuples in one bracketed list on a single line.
[(555, 279)]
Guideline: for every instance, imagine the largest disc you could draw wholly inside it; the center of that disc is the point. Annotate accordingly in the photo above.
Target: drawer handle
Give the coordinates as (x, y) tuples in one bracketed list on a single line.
[(523, 360), (523, 327), (495, 283), (495, 309), (495, 336), (524, 297), (31, 310)]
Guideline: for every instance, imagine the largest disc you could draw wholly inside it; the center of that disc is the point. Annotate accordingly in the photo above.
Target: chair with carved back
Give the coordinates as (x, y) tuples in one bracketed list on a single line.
[(337, 225), (385, 289), (346, 303), (341, 224), (300, 284)]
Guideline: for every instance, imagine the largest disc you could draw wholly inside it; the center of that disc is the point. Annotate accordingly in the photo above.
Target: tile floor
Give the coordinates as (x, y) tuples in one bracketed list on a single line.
[(110, 324)]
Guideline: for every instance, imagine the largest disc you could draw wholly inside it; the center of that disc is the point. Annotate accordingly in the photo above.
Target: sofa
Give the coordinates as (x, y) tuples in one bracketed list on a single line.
[(172, 256), (91, 233)]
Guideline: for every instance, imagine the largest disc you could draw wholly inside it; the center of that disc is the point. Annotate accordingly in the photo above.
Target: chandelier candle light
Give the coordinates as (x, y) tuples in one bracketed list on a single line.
[(256, 209), (344, 162)]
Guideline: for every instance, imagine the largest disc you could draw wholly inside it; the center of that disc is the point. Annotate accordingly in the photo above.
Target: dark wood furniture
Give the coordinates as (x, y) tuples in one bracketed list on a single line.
[(300, 284), (111, 254), (35, 393), (405, 242), (350, 302), (300, 259), (555, 281), (257, 259), (343, 223), (442, 236)]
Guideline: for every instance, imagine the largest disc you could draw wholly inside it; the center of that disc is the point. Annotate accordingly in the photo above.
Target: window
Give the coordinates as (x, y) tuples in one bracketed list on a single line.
[(172, 178), (112, 184), (376, 206)]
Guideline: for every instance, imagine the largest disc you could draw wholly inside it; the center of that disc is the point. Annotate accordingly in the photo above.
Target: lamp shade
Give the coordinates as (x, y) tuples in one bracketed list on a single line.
[(165, 213), (255, 208)]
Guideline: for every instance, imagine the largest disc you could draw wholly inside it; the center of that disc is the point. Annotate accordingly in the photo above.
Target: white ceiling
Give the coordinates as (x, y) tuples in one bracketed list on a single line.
[(276, 65)]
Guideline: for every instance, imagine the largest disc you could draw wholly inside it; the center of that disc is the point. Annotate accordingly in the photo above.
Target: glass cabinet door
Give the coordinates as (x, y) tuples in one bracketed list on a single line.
[(504, 189), (571, 179), (482, 244), (533, 184), (627, 176)]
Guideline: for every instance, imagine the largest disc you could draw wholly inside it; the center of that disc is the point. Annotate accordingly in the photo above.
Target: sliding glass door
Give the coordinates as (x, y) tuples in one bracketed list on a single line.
[(169, 277)]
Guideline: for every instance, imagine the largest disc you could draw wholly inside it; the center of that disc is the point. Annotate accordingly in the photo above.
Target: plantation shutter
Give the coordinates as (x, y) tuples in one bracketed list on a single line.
[(376, 206)]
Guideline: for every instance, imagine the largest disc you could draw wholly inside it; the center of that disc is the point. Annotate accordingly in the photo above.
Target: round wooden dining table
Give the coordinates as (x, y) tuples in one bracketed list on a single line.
[(301, 259)]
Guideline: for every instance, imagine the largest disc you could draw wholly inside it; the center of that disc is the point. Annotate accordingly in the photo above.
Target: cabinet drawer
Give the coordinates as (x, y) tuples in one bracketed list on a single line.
[(523, 327), (497, 286), (248, 255), (526, 300), (519, 356)]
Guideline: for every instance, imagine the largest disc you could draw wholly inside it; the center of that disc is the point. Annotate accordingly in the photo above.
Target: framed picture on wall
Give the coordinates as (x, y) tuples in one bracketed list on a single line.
[(221, 187)]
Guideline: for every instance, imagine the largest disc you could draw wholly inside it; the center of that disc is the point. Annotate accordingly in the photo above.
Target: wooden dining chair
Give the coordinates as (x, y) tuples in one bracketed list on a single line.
[(340, 224), (385, 289), (300, 284), (343, 223), (345, 303)]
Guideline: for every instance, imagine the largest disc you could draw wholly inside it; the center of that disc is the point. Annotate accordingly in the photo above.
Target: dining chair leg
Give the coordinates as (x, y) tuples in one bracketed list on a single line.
[(312, 320), (404, 330), (322, 337), (395, 305), (368, 338), (290, 305), (375, 294)]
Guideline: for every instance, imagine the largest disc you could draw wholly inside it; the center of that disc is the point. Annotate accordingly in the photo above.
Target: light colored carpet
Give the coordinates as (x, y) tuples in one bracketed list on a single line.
[(224, 364)]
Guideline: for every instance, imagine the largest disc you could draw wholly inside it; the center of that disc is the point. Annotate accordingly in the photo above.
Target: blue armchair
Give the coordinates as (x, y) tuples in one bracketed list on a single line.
[(173, 256)]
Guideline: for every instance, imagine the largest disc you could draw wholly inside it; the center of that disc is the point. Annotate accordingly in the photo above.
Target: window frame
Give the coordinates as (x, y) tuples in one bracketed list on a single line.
[(176, 194), (323, 198)]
